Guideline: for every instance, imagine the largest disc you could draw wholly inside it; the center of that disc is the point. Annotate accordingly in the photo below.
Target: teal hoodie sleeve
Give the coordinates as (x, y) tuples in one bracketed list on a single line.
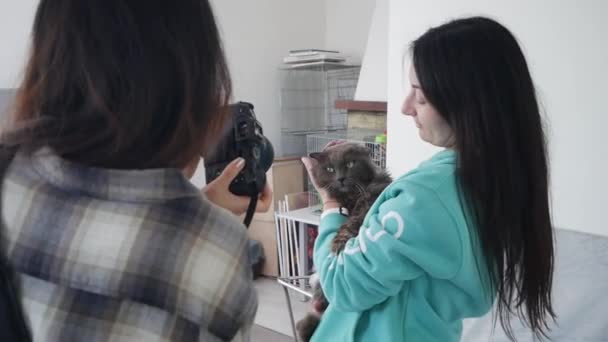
[(406, 233)]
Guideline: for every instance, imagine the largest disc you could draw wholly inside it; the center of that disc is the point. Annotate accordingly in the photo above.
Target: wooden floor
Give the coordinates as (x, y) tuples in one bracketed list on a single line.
[(272, 308), (261, 334)]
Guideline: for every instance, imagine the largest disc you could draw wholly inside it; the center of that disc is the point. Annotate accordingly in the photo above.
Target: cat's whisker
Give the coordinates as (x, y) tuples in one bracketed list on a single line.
[(360, 187), (362, 195)]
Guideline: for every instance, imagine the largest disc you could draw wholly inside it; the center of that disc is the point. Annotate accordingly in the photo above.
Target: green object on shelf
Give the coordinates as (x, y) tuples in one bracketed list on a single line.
[(381, 138)]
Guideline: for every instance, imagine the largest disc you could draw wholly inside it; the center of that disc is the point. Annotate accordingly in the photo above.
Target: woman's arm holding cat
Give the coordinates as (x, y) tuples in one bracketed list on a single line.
[(408, 232)]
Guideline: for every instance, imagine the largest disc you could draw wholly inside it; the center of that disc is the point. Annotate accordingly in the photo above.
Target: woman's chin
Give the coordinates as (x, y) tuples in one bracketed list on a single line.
[(422, 135)]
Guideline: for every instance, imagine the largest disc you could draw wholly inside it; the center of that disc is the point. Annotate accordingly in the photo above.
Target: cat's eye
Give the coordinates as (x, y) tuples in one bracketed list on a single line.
[(330, 169), (350, 164)]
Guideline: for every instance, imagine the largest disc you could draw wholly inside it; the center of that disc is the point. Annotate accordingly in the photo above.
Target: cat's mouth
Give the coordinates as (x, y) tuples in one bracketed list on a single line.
[(346, 186), (340, 187), (343, 188)]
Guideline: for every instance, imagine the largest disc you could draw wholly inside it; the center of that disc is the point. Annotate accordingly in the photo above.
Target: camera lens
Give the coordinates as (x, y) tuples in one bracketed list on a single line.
[(256, 153), (266, 154), (242, 129)]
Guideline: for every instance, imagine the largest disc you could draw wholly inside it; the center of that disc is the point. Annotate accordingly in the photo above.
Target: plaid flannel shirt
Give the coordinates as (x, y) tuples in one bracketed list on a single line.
[(110, 255)]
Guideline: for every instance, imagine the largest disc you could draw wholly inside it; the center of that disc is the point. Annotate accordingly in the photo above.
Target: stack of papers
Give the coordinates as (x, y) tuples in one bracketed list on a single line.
[(313, 56)]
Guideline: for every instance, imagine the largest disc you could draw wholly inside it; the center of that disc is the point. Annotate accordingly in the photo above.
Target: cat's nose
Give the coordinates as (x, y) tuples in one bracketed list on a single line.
[(341, 180)]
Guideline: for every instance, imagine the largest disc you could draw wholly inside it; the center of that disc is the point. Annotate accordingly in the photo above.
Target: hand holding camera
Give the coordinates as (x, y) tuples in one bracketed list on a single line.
[(236, 171), (218, 191)]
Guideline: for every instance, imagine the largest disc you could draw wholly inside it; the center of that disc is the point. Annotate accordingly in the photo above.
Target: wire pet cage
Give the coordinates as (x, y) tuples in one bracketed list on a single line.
[(308, 96)]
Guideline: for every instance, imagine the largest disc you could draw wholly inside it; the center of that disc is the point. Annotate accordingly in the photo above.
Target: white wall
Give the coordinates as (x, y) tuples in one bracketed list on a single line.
[(347, 25), (360, 30), (373, 84), (16, 18), (257, 35), (568, 57)]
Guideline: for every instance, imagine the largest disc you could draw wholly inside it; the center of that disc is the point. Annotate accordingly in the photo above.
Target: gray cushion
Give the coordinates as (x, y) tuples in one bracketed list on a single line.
[(580, 294)]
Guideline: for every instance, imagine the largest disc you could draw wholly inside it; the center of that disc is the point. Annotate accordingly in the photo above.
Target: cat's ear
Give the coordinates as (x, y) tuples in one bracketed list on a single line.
[(319, 156), (364, 150)]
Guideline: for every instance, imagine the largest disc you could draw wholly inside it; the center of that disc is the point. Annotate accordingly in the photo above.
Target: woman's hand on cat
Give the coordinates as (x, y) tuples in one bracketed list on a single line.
[(328, 201), (333, 143), (219, 193)]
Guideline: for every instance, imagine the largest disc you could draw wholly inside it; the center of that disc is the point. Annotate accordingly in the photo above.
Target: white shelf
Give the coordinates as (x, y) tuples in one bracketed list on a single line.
[(308, 215)]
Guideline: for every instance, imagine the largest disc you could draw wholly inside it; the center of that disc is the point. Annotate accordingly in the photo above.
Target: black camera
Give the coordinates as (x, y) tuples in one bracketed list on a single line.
[(244, 139)]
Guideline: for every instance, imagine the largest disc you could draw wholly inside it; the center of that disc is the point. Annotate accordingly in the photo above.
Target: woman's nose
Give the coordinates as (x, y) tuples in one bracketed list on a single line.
[(406, 108)]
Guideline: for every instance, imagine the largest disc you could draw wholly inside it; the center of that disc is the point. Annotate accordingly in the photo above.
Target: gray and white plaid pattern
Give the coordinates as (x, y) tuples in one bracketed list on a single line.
[(113, 255)]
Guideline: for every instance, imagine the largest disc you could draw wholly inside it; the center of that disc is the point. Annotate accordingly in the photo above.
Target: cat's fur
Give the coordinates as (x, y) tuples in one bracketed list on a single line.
[(349, 176)]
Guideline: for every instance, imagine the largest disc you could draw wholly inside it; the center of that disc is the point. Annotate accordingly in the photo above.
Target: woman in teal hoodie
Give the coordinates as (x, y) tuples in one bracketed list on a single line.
[(467, 228)]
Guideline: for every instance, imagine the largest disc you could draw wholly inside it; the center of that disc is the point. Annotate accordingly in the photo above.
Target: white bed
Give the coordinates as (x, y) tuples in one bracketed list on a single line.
[(580, 294)]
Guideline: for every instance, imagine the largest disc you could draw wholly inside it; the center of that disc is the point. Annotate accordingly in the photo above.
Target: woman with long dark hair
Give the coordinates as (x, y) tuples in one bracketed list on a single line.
[(109, 239), (467, 228)]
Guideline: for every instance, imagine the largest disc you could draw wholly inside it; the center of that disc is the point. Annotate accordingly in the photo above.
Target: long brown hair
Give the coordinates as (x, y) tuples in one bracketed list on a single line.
[(123, 84), (474, 72)]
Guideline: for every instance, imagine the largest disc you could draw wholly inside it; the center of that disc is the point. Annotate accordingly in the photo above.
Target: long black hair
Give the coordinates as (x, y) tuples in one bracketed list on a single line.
[(475, 74), (123, 84)]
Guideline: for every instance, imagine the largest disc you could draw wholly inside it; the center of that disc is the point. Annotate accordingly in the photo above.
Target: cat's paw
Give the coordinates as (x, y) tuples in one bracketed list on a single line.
[(307, 326), (314, 280)]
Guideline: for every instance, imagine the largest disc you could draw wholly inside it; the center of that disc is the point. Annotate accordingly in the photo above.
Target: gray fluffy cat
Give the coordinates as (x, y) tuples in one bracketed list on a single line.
[(349, 176)]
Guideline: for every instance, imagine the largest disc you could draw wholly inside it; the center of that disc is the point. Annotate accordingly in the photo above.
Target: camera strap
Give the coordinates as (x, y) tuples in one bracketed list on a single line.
[(250, 210)]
